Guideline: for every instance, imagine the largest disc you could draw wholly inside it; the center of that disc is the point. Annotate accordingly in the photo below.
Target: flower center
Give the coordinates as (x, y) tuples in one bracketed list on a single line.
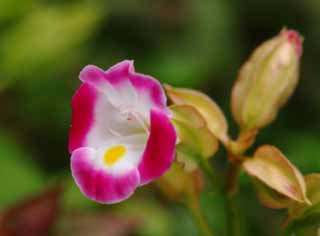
[(132, 115), (113, 154)]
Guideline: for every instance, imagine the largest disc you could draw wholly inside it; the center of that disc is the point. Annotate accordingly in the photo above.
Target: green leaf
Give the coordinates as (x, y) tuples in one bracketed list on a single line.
[(208, 109), (304, 212), (308, 224), (271, 167), (313, 187)]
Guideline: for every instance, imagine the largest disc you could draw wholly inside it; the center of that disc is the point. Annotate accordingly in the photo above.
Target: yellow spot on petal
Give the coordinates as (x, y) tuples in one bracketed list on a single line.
[(113, 154)]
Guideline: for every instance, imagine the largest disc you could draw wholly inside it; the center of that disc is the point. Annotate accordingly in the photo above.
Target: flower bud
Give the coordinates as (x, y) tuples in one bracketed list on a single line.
[(177, 183), (267, 80)]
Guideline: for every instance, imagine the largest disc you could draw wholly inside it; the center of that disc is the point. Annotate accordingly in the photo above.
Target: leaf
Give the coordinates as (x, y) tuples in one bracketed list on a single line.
[(195, 139), (313, 187), (34, 216), (300, 211), (308, 224), (271, 167), (269, 197), (210, 111)]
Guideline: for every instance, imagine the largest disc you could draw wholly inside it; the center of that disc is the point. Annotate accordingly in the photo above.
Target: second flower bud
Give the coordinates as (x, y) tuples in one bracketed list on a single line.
[(267, 80)]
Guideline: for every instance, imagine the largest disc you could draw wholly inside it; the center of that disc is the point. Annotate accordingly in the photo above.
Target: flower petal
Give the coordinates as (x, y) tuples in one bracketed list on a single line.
[(160, 149), (114, 83), (135, 87), (147, 88), (82, 115), (96, 122), (150, 92), (99, 185), (124, 88), (114, 75)]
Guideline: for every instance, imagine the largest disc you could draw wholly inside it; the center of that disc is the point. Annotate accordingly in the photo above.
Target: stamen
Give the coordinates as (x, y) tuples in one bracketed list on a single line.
[(113, 132), (140, 119), (124, 110)]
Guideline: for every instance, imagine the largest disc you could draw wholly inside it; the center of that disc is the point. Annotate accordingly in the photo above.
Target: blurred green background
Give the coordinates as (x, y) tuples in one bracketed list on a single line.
[(190, 43)]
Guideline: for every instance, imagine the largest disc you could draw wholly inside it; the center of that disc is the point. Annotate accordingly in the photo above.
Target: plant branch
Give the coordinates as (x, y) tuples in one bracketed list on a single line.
[(211, 173), (197, 215), (232, 177), (233, 217)]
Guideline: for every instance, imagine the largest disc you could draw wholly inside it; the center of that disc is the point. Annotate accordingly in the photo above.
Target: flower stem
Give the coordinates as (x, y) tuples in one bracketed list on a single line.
[(211, 173), (197, 215), (232, 178), (233, 218)]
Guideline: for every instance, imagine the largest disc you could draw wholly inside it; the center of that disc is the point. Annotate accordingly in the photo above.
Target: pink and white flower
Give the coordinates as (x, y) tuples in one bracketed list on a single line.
[(121, 136)]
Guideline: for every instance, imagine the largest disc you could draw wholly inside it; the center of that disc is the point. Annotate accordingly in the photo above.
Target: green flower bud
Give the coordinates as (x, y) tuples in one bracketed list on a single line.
[(267, 80)]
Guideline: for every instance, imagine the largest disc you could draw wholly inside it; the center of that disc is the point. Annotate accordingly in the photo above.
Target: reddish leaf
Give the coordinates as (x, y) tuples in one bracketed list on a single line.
[(272, 168)]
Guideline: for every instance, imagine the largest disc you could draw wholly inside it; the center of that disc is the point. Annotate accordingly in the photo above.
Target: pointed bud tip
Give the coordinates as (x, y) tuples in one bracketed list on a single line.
[(295, 38)]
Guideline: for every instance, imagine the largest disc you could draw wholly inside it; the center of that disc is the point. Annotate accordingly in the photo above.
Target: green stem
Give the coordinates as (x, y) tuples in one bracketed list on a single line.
[(208, 169), (233, 218), (197, 214)]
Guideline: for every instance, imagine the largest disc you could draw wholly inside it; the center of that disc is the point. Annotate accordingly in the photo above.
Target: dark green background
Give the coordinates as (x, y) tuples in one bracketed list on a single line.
[(190, 43)]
